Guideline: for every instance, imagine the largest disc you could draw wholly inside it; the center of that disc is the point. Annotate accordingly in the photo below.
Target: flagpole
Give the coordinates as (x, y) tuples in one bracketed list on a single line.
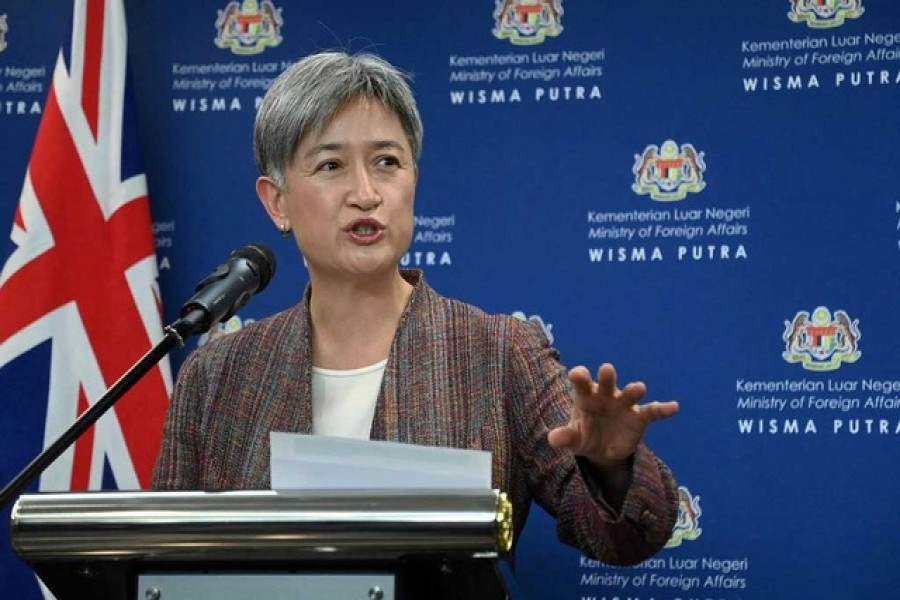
[(174, 335)]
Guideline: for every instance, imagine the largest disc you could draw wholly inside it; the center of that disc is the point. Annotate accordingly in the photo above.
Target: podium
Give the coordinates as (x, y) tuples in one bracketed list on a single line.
[(266, 545)]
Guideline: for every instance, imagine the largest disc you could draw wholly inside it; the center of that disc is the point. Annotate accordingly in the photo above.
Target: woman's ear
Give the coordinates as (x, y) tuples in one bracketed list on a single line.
[(270, 196)]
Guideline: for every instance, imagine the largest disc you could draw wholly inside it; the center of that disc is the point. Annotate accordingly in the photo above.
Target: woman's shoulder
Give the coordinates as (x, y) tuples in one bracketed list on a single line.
[(268, 333), (464, 317)]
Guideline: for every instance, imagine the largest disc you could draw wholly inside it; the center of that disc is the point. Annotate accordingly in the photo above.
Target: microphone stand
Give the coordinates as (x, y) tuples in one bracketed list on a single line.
[(174, 335)]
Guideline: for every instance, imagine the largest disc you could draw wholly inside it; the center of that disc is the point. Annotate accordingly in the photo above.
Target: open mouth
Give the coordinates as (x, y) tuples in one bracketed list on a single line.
[(364, 229)]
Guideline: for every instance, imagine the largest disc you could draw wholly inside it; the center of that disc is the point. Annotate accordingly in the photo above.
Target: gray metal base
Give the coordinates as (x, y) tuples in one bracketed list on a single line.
[(276, 586)]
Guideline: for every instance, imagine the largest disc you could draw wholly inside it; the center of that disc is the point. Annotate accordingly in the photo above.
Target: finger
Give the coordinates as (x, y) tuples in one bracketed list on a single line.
[(581, 380), (606, 379), (654, 411), (563, 437), (634, 392)]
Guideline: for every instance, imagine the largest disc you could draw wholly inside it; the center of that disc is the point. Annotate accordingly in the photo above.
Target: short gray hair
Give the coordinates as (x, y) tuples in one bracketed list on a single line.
[(308, 93)]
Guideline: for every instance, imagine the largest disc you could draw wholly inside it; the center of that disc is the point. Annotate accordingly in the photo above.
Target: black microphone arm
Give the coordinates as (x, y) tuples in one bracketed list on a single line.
[(247, 271)]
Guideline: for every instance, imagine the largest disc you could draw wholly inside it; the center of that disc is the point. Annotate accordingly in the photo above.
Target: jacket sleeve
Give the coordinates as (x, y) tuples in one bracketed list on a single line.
[(541, 399), (178, 464)]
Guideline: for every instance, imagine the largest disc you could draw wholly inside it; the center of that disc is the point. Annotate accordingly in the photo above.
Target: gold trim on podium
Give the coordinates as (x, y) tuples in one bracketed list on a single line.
[(504, 523)]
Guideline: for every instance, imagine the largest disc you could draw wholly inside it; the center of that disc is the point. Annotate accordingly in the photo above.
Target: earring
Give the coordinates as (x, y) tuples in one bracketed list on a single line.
[(285, 229)]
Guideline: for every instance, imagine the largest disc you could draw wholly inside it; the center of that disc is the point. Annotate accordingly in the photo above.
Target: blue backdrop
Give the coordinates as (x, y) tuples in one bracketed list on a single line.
[(700, 193)]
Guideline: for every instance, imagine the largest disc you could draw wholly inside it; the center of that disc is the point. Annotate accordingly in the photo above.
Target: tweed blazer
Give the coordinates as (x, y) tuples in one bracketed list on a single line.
[(455, 376)]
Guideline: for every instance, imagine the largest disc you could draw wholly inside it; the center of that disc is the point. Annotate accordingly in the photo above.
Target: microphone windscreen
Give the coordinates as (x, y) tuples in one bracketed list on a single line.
[(264, 260)]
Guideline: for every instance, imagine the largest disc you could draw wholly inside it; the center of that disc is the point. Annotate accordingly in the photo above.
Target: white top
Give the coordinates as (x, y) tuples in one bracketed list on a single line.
[(344, 400)]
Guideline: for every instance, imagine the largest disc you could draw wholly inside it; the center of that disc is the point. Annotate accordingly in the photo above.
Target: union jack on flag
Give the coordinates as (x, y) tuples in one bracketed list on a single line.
[(83, 273)]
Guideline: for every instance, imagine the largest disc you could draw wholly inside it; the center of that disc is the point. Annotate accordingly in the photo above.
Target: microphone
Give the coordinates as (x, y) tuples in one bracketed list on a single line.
[(247, 271)]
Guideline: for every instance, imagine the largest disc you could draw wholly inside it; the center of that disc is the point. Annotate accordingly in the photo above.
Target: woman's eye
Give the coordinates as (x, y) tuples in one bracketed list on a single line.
[(388, 161), (328, 165)]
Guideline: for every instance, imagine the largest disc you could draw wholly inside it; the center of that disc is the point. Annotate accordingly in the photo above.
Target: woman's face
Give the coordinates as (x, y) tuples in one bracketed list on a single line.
[(349, 193)]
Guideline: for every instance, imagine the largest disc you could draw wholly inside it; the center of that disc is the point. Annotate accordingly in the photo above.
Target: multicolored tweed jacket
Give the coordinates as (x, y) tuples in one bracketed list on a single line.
[(455, 376)]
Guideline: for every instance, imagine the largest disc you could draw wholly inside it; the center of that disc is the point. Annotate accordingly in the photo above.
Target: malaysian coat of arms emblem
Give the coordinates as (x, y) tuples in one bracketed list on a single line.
[(667, 173), (3, 29), (527, 22), (820, 341), (249, 27), (687, 527), (824, 14)]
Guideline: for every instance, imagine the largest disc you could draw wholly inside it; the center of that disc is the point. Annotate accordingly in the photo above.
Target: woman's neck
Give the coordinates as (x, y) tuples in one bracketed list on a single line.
[(354, 322)]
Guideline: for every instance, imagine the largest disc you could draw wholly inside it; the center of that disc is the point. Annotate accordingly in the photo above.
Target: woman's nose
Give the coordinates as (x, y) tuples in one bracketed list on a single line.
[(364, 194)]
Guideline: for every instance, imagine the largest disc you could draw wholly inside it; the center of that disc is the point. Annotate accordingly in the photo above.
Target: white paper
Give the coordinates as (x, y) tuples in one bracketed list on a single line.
[(302, 461)]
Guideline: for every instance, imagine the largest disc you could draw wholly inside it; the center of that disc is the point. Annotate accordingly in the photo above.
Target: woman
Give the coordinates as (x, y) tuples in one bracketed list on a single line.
[(373, 352)]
